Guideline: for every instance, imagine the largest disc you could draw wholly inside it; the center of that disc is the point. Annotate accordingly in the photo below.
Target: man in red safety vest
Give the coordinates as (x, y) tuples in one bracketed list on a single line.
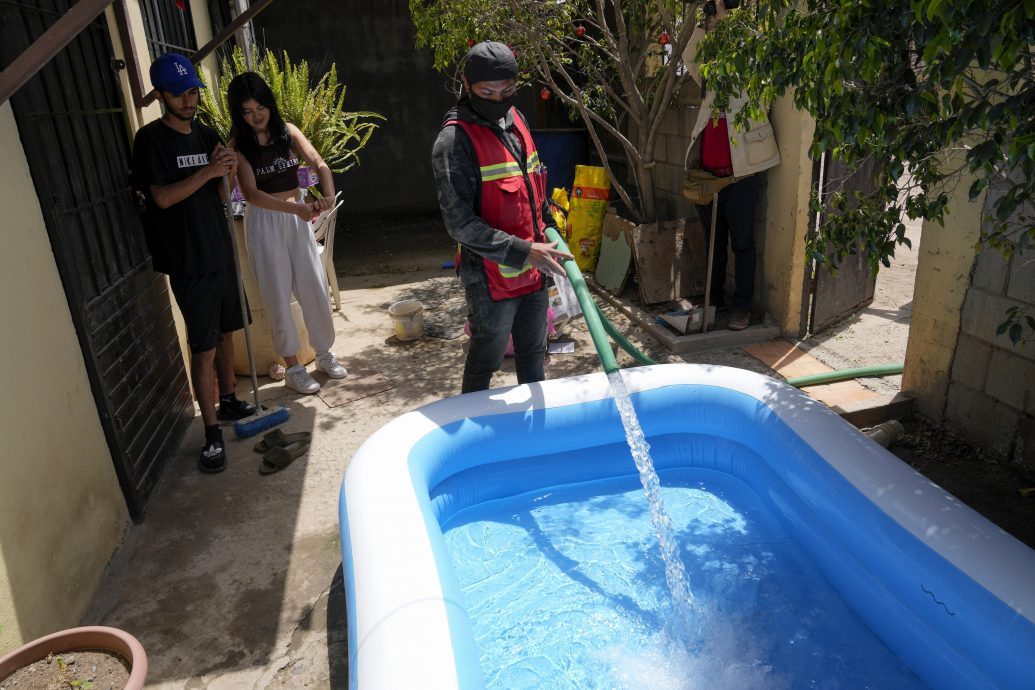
[(492, 192)]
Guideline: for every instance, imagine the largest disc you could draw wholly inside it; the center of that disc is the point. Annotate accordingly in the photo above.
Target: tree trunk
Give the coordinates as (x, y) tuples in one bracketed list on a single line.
[(645, 184), (644, 170)]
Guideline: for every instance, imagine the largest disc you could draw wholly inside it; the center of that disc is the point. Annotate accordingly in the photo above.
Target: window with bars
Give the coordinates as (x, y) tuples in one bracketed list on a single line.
[(221, 15), (169, 27)]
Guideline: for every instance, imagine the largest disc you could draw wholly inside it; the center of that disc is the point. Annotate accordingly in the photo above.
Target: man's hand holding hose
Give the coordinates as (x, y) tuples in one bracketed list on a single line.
[(546, 257)]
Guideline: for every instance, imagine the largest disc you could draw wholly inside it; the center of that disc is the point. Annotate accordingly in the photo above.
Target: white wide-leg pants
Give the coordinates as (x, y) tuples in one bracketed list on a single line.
[(284, 257)]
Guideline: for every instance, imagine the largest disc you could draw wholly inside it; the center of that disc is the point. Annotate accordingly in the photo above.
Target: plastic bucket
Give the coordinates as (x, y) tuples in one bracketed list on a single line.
[(407, 319)]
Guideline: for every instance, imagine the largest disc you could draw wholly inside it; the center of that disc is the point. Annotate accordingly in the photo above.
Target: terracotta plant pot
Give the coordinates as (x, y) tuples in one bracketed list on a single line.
[(81, 639)]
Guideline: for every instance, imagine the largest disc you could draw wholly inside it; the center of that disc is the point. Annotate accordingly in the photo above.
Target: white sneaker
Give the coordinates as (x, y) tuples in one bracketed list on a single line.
[(330, 366), (297, 378)]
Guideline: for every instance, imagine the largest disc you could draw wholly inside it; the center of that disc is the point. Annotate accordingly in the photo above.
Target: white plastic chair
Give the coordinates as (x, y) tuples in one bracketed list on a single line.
[(323, 231)]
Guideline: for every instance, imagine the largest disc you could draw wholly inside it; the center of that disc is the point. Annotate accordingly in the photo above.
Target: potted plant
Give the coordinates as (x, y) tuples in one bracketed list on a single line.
[(59, 649)]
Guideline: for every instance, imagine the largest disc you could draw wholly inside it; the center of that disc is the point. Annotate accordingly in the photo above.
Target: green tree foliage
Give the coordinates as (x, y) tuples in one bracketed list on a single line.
[(943, 90), (317, 110), (1017, 318), (613, 62)]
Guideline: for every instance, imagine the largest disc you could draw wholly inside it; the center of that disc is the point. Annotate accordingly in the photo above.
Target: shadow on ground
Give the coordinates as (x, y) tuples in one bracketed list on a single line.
[(337, 632), (200, 582)]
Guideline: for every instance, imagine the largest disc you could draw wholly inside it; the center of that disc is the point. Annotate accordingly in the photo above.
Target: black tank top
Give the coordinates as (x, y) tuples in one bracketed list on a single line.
[(275, 171)]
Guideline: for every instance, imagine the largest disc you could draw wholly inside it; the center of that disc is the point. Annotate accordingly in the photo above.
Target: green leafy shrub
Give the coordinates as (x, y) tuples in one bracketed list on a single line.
[(317, 110), (943, 89)]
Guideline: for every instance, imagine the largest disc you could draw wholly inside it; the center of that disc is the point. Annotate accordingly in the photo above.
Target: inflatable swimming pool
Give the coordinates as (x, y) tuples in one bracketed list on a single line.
[(945, 590)]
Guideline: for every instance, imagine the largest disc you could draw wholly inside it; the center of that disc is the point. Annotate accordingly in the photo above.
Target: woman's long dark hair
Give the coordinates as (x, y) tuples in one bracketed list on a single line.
[(247, 86)]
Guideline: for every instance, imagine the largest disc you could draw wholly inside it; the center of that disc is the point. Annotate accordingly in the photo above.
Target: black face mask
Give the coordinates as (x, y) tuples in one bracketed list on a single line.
[(493, 111)]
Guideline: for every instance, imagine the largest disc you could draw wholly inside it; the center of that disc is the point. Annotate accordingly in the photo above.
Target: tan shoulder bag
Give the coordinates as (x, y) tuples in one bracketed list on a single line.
[(699, 185)]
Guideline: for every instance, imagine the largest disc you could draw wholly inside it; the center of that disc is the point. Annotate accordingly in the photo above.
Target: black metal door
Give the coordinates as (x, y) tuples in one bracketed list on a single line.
[(73, 130), (834, 297)]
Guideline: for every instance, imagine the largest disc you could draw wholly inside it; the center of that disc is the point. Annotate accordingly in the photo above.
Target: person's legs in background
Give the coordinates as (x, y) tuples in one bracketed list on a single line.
[(198, 298), (203, 378), (268, 250), (739, 204), (529, 331), (230, 320), (718, 284), (309, 284), (491, 324), (224, 365)]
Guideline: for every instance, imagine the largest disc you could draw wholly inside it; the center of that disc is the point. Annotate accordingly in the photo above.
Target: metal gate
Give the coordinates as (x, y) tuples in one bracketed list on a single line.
[(833, 297), (73, 130)]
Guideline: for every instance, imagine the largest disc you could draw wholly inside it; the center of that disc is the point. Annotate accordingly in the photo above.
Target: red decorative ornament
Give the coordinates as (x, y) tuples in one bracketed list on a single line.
[(580, 31), (664, 39), (545, 93)]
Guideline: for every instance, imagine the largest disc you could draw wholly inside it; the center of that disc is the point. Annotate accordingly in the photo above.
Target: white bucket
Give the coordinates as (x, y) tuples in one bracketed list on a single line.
[(408, 319)]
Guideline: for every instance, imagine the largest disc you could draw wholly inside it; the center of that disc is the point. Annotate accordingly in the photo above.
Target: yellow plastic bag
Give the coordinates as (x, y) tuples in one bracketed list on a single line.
[(586, 215), (560, 217)]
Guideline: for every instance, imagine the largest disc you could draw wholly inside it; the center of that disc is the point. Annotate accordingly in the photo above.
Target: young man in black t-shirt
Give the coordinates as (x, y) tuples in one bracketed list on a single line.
[(178, 164)]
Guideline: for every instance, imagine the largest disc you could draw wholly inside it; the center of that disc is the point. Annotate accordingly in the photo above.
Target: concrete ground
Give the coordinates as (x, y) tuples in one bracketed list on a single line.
[(235, 581)]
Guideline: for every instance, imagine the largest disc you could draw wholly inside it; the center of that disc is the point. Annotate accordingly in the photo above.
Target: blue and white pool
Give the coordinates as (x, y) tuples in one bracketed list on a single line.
[(501, 539)]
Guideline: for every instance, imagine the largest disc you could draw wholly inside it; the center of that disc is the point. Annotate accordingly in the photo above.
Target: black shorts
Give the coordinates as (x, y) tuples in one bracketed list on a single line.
[(210, 305)]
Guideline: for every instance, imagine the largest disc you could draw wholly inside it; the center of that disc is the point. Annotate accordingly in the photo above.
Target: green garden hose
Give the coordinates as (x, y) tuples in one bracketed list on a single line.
[(845, 374), (621, 339), (599, 326)]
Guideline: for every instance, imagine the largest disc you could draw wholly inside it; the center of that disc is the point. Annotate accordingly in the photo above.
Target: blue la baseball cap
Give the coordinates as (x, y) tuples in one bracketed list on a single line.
[(174, 73)]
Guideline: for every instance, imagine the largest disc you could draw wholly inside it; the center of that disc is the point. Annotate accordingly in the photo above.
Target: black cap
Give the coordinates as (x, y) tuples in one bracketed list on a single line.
[(489, 61)]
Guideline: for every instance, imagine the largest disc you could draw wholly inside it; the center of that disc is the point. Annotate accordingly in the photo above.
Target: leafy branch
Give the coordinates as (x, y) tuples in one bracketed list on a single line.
[(1016, 320), (905, 84)]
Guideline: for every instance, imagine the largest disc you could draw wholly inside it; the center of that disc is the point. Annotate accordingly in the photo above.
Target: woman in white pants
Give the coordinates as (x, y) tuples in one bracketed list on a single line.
[(277, 225)]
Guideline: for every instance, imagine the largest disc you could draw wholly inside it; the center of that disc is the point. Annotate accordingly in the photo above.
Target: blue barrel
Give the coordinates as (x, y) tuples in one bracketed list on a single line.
[(560, 150)]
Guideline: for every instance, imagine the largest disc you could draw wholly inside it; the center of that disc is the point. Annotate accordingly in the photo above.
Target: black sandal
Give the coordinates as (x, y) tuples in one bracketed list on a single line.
[(213, 458), (233, 410)]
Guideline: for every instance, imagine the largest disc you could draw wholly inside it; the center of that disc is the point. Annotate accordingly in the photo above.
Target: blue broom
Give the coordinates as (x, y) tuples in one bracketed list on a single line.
[(263, 418)]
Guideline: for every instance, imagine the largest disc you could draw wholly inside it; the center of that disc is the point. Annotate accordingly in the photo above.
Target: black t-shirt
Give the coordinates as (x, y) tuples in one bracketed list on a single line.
[(189, 238)]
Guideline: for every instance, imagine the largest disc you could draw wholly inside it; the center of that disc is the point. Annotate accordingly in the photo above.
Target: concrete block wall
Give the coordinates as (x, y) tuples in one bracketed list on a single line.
[(670, 152), (991, 388), (944, 274)]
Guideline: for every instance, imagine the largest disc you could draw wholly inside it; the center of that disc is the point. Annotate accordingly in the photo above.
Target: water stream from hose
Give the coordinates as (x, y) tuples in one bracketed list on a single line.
[(675, 574)]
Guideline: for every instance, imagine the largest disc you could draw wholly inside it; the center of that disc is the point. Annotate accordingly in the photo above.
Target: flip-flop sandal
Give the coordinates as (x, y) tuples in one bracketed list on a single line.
[(279, 457), (279, 438)]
